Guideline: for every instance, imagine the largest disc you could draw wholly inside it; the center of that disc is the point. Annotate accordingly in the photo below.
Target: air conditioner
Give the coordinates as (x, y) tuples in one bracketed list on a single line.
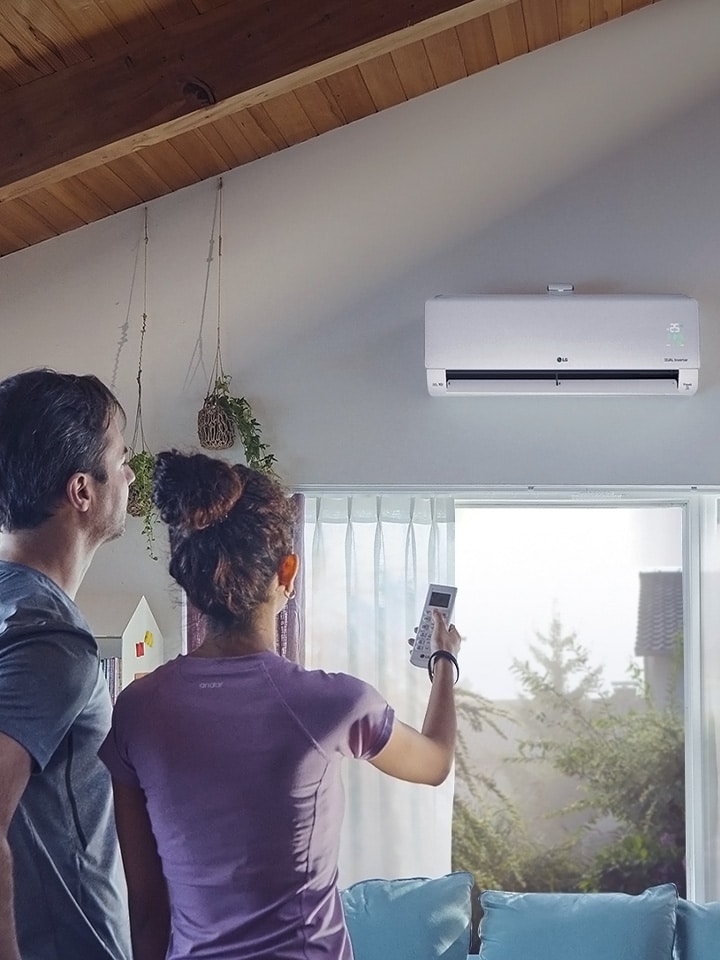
[(568, 343)]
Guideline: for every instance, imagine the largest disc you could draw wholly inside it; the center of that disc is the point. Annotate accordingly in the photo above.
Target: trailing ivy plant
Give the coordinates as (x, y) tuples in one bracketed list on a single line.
[(247, 426), (140, 502)]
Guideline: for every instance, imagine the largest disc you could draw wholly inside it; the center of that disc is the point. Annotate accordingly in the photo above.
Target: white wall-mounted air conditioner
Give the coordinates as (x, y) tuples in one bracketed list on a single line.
[(555, 344)]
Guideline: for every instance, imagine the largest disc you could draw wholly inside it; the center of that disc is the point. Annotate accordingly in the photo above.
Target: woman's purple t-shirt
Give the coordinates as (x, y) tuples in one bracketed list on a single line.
[(239, 759)]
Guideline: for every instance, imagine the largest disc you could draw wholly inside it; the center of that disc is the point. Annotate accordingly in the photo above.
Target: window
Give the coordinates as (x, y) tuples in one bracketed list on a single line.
[(559, 596), (570, 772)]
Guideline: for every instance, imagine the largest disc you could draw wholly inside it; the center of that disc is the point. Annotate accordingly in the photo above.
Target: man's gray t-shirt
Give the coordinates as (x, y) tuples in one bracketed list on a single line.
[(70, 900)]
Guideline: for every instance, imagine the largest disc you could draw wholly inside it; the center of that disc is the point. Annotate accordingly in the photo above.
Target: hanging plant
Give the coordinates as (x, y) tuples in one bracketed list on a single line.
[(236, 416), (223, 417), (142, 461), (142, 465)]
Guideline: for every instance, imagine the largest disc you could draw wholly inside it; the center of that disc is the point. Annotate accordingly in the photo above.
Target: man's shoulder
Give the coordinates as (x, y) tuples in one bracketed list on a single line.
[(31, 602)]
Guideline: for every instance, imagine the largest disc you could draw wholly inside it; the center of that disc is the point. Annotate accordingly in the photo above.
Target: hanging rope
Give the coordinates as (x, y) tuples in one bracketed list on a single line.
[(217, 371), (223, 416), (216, 427), (138, 432)]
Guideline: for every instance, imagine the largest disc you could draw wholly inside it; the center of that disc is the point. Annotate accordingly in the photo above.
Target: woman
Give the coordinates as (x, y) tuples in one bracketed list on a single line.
[(226, 762)]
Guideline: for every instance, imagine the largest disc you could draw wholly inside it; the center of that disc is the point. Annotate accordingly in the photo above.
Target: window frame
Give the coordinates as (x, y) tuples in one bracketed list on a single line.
[(700, 550)]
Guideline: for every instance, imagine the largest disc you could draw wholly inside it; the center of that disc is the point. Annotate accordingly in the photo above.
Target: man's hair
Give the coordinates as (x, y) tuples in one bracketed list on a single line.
[(52, 425)]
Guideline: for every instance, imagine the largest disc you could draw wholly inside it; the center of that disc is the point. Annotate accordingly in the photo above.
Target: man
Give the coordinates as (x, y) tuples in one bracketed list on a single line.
[(64, 481)]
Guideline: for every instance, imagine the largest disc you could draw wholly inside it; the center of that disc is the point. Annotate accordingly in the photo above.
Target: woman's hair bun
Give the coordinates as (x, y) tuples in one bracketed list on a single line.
[(194, 491)]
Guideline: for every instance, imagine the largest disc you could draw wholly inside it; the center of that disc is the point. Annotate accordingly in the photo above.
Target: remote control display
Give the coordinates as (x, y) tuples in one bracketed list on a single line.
[(439, 597)]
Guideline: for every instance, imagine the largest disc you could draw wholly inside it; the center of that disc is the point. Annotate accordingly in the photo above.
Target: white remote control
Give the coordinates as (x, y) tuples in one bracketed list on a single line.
[(439, 597)]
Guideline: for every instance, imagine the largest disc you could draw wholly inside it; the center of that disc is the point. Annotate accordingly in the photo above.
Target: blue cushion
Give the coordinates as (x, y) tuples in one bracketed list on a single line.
[(413, 919), (698, 931), (578, 926)]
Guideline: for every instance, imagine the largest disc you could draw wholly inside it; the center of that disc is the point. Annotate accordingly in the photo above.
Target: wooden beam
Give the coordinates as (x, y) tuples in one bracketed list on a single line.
[(215, 64)]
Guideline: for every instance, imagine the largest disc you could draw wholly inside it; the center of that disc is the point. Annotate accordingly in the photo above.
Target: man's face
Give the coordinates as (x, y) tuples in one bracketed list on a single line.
[(113, 494)]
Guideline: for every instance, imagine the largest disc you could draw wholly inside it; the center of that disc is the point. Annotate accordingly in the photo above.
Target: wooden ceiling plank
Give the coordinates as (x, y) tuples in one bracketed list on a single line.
[(197, 154), (446, 57), (53, 211), (235, 139), (603, 10), (25, 222), (477, 44), (287, 114), (140, 176), (171, 12), (10, 241), (167, 163), (508, 30), (347, 88), (541, 23), (110, 188), (79, 198), (414, 70), (43, 33), (204, 5), (21, 70), (27, 45), (211, 136), (382, 82), (628, 6), (89, 24), (254, 134), (179, 78), (131, 18), (573, 17), (323, 113), (267, 125)]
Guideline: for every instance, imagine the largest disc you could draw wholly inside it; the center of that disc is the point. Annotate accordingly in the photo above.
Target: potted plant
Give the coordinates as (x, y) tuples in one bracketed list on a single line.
[(140, 502), (224, 417)]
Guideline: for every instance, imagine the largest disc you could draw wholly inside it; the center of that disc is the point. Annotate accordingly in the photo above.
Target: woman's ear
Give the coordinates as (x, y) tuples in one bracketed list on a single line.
[(287, 571)]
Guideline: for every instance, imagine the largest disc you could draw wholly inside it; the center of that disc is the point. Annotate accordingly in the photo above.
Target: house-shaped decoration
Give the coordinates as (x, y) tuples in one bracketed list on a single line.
[(125, 629)]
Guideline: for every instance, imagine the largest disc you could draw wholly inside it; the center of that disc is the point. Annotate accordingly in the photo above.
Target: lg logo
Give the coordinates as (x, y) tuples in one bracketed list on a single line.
[(562, 359)]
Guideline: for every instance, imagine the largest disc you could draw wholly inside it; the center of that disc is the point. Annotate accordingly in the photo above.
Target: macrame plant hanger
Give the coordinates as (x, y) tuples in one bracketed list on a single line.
[(223, 417), (216, 426)]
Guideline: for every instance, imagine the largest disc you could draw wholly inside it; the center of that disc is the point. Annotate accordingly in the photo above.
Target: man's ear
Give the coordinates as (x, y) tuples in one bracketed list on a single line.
[(287, 571), (78, 492)]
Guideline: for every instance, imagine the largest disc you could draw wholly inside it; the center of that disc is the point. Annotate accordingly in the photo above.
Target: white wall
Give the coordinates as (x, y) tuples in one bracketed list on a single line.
[(593, 161)]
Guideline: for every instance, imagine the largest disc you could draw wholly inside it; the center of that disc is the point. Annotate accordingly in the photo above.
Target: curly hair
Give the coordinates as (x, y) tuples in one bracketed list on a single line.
[(52, 425), (229, 528)]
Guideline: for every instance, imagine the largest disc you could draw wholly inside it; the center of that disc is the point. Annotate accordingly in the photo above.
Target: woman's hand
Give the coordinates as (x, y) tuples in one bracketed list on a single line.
[(426, 756), (444, 637)]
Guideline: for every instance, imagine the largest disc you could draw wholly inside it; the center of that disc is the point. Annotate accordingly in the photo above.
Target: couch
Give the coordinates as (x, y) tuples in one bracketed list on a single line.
[(436, 919)]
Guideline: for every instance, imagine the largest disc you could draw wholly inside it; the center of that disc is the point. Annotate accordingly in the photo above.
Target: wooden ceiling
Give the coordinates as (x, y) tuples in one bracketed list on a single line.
[(108, 104)]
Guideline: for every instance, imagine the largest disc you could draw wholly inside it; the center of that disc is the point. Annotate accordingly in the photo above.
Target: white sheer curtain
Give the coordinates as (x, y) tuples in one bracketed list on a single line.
[(369, 560), (702, 698)]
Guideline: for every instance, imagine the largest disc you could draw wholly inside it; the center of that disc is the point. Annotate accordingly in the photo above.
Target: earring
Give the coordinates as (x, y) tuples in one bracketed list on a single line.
[(291, 595)]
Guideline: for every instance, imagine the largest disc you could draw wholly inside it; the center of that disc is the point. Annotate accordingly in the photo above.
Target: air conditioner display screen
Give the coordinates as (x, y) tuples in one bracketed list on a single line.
[(675, 335)]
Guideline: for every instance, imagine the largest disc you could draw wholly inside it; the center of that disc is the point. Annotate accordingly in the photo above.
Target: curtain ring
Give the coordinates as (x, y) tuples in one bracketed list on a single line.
[(290, 596)]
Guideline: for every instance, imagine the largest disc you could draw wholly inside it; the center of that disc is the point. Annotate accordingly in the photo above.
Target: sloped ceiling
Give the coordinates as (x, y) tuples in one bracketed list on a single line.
[(109, 104)]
